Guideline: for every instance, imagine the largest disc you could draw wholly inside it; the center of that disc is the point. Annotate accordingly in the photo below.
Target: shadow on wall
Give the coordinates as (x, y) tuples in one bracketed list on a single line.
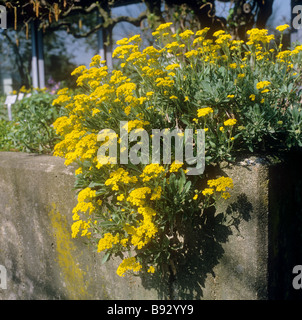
[(285, 227), (203, 247)]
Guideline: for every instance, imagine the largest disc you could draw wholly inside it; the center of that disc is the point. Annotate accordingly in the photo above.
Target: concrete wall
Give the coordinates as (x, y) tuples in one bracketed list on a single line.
[(234, 255)]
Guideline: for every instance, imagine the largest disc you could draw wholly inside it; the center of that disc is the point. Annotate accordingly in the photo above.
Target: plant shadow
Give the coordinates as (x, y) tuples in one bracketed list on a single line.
[(203, 240)]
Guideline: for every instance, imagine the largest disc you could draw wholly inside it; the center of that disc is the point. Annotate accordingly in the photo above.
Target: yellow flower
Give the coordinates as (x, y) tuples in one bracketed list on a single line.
[(151, 171), (80, 224), (122, 42), (223, 39), (135, 38), (156, 194), (120, 197), (175, 166), (75, 228), (186, 34), (283, 55), (204, 111), (95, 60), (252, 97), (231, 96), (151, 269), (230, 122), (221, 183), (202, 32), (107, 241), (225, 195), (259, 35), (164, 26), (138, 196), (78, 171), (61, 99), (138, 124), (265, 90), (208, 191), (191, 53), (195, 197), (78, 70), (262, 84), (172, 66), (218, 33), (173, 97), (165, 82), (123, 242), (128, 264), (118, 176), (282, 27), (61, 91)]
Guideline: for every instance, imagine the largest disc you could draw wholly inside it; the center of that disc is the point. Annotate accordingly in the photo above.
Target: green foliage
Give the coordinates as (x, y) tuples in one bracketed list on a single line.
[(31, 129)]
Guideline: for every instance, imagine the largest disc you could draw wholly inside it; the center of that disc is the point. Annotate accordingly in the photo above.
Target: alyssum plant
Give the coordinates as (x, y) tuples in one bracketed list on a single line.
[(243, 95)]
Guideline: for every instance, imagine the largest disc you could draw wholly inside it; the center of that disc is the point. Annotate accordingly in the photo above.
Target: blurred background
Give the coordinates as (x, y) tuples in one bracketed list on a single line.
[(45, 40)]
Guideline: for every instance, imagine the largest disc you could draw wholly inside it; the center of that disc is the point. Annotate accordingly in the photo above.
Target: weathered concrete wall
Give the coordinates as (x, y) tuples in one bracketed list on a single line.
[(41, 259), (231, 255)]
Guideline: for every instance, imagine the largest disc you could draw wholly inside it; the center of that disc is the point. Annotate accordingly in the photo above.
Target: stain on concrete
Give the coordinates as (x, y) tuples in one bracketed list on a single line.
[(71, 273)]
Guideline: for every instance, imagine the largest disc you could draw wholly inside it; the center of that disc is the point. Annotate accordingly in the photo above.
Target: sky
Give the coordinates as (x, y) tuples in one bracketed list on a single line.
[(281, 12)]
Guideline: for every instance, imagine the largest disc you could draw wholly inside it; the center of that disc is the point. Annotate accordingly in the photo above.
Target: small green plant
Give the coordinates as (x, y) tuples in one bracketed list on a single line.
[(31, 129)]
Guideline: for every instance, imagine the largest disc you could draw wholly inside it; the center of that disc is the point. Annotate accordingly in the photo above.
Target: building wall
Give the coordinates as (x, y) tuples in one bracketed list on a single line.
[(233, 251)]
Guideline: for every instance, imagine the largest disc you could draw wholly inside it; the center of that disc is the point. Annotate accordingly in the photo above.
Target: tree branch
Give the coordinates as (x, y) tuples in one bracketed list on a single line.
[(110, 23), (79, 9)]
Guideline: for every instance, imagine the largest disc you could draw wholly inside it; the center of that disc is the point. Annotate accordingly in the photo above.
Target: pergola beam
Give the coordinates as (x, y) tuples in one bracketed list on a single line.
[(37, 61)]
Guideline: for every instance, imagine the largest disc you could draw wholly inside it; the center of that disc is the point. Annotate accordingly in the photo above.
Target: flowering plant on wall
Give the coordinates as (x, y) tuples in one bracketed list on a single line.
[(241, 95)]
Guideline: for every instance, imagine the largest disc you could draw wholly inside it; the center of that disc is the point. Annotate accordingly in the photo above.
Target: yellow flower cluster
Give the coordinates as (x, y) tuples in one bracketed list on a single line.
[(204, 111), (151, 171), (262, 84), (128, 264), (119, 176), (84, 205), (77, 226), (136, 124), (221, 183), (259, 35), (107, 241), (145, 231), (282, 27), (138, 196), (174, 167), (154, 86), (230, 122)]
